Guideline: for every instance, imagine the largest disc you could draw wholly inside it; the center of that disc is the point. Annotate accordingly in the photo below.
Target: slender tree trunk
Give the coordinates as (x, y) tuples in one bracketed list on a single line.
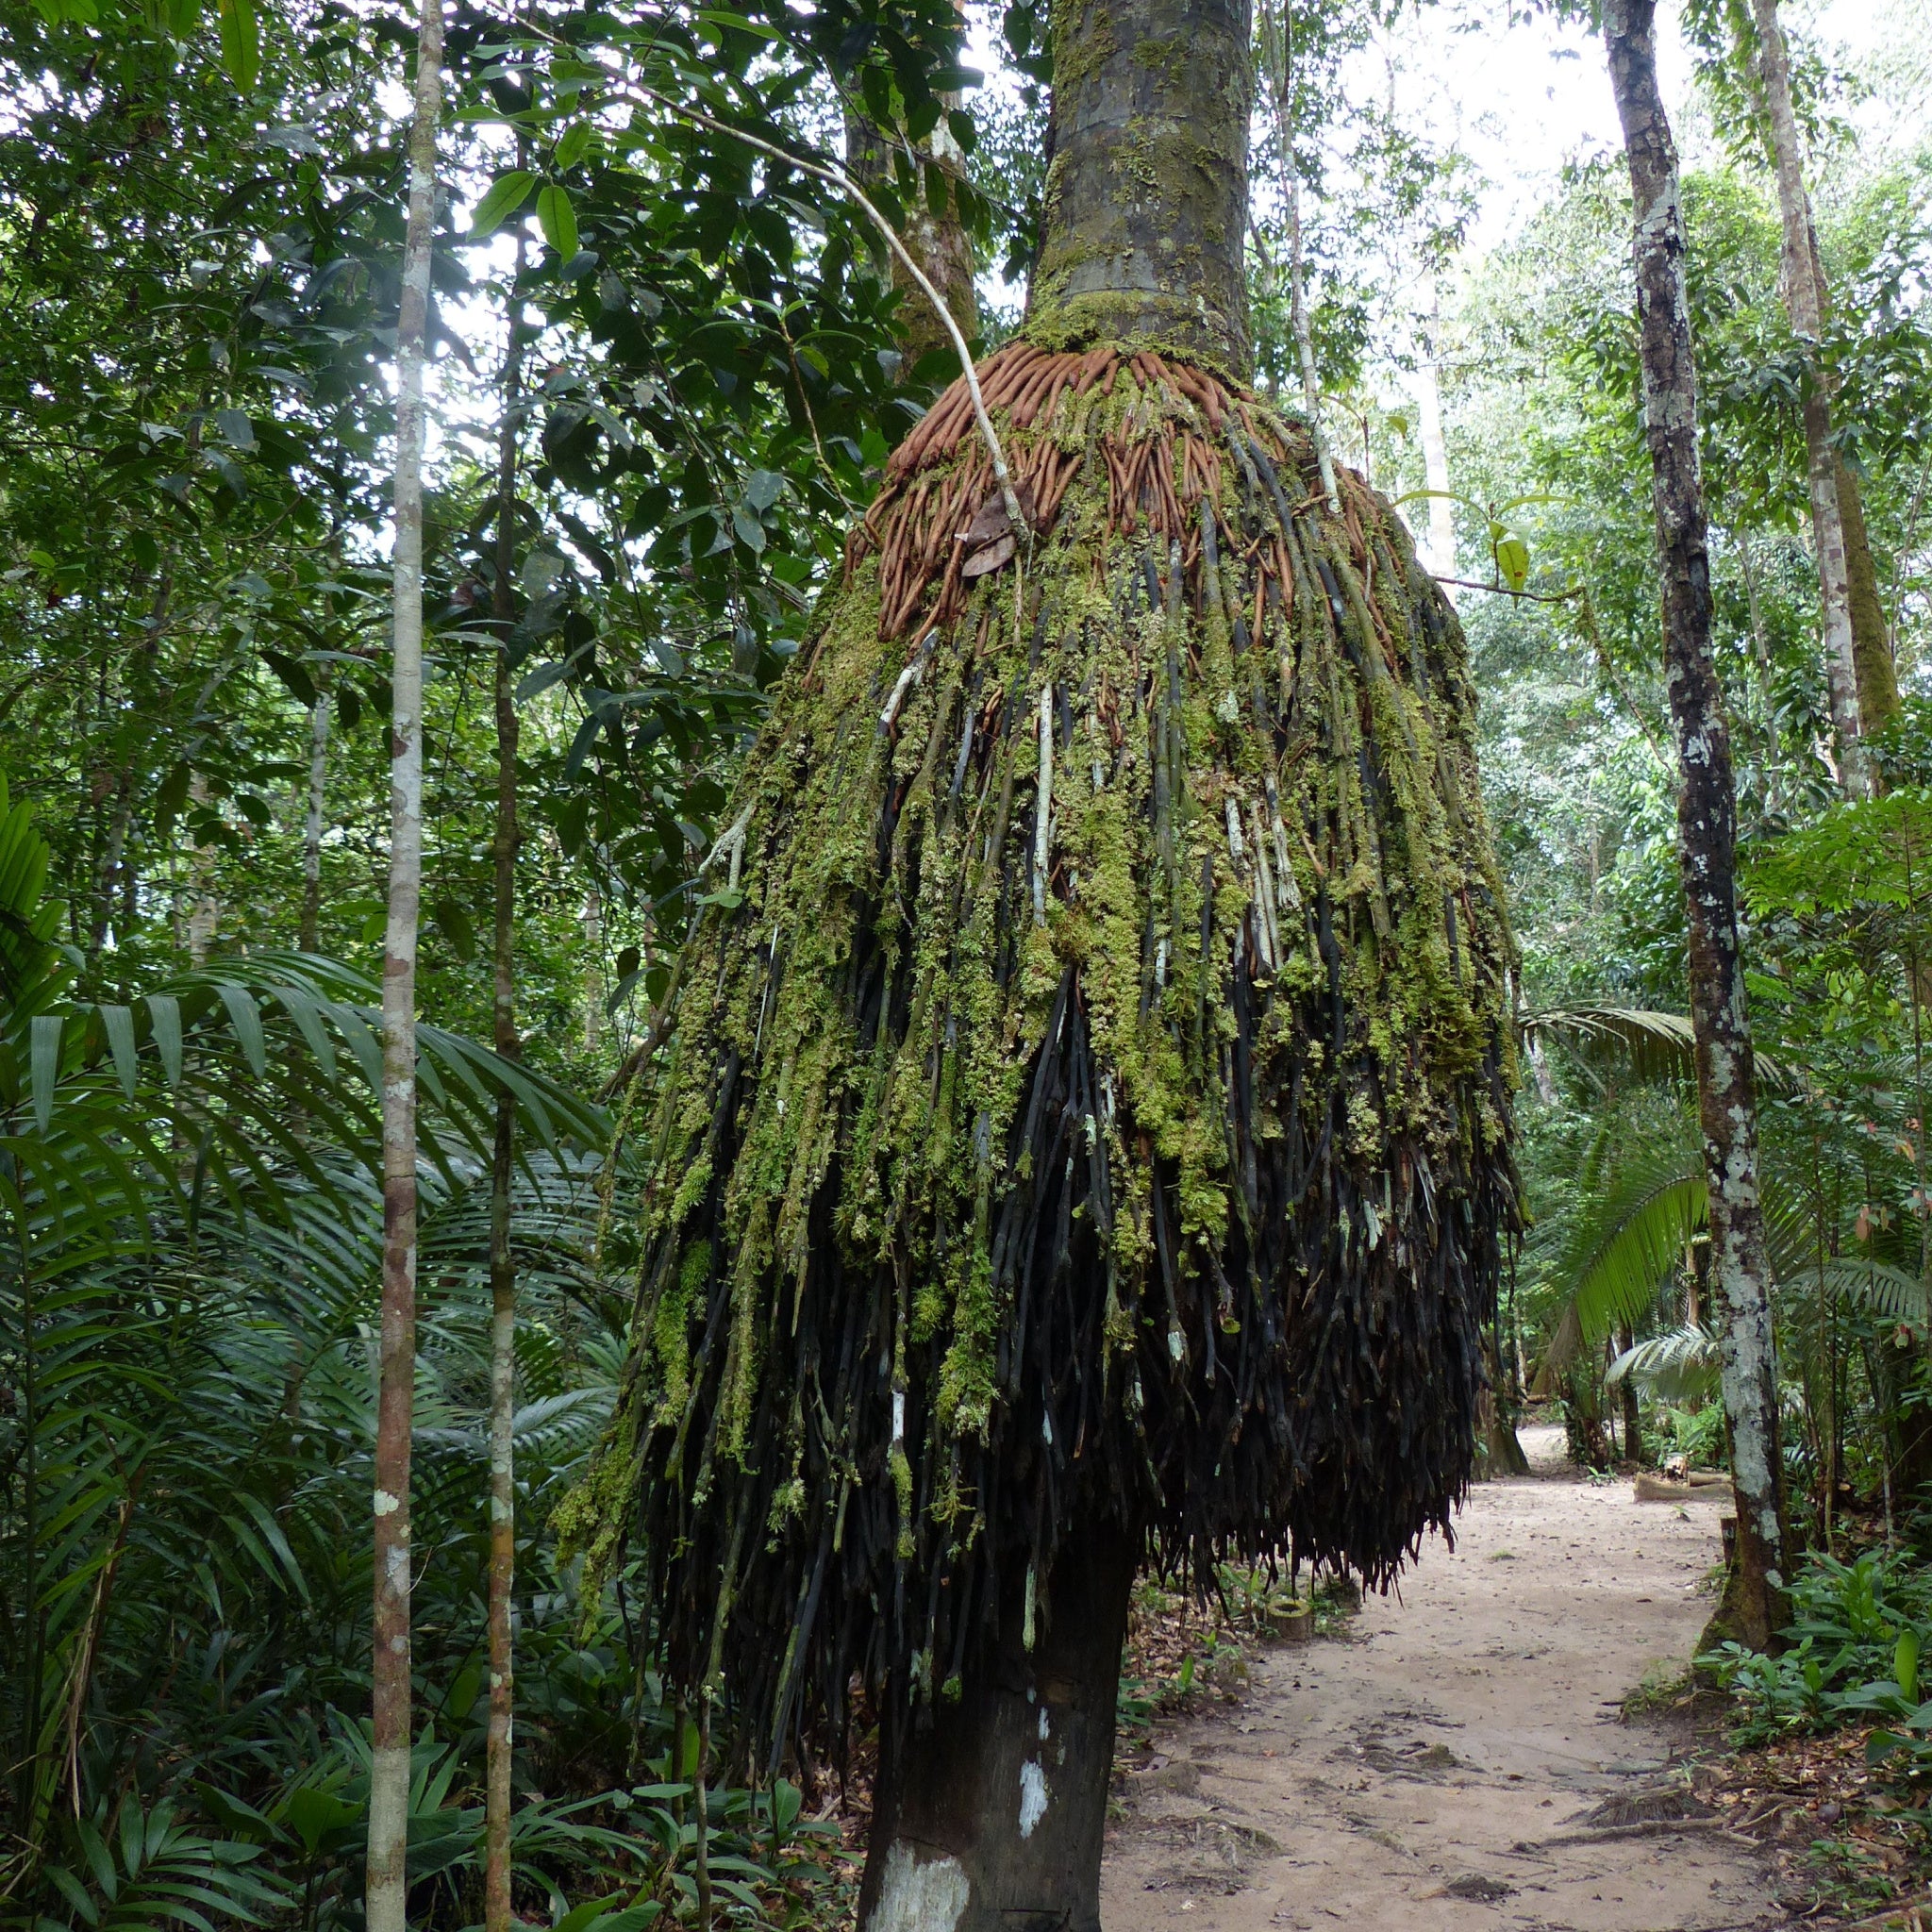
[(1436, 465), (1632, 1408), (1878, 699), (1707, 827), (1803, 299), (388, 1791), (1274, 41), (204, 908), (503, 1277), (593, 968), (939, 243), (309, 938)]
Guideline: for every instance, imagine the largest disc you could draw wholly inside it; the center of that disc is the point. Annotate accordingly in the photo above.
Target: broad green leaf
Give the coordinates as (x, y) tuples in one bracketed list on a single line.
[(570, 150), (240, 42), (164, 1016), (1905, 1664), (117, 1023), (1512, 560), (44, 1056), (557, 220), (505, 197), (247, 1016)]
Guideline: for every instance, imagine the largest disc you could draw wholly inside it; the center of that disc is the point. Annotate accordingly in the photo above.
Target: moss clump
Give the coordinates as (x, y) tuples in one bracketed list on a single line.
[(1098, 1102)]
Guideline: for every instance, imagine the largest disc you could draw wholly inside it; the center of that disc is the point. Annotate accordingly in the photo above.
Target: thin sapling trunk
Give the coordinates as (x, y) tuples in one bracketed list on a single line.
[(388, 1791), (503, 1277), (1706, 829), (1805, 300)]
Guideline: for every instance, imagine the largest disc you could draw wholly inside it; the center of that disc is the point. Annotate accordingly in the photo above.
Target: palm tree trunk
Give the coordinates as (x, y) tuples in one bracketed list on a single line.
[(503, 1276), (388, 1791), (1707, 827), (995, 1814), (1803, 299)]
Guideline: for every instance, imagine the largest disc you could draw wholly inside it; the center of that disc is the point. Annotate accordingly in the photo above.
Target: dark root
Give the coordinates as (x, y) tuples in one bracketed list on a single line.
[(1134, 1149)]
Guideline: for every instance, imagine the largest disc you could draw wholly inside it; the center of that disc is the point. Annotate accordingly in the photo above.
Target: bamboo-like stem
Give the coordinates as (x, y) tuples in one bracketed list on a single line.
[(388, 1791), (503, 1277)]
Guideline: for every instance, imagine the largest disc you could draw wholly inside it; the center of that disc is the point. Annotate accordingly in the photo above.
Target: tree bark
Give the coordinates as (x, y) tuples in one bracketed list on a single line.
[(497, 1914), (1632, 1408), (309, 935), (1877, 674), (1274, 41), (994, 1818), (1707, 827), (388, 1789), (939, 243), (1804, 300), (1146, 203)]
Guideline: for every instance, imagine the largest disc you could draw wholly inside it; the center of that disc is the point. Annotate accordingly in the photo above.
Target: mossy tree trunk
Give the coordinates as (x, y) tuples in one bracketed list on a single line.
[(1706, 829), (935, 237), (1146, 201), (992, 1814)]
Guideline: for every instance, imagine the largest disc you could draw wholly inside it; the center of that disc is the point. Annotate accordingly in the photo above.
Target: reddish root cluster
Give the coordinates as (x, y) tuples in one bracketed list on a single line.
[(939, 523)]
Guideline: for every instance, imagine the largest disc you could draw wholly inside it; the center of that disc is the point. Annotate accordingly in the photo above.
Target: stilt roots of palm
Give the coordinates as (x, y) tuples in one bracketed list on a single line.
[(1089, 1087)]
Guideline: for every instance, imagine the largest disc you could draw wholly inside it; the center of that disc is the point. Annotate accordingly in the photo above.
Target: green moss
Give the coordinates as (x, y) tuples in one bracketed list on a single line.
[(855, 1043)]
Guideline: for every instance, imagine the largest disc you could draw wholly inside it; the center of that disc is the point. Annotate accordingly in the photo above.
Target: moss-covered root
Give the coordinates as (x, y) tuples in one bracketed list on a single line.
[(1094, 1099)]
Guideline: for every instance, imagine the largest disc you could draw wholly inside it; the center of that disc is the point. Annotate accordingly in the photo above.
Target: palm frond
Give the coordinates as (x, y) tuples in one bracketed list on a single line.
[(1681, 1367)]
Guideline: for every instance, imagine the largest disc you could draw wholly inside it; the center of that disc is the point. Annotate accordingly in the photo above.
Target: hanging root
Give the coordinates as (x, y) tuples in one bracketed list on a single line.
[(1098, 1099)]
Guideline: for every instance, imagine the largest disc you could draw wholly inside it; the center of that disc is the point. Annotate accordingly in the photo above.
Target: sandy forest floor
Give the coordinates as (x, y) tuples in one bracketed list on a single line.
[(1460, 1760)]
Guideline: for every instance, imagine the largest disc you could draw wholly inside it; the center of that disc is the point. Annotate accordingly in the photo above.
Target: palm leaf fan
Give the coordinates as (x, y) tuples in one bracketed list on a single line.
[(1087, 1093)]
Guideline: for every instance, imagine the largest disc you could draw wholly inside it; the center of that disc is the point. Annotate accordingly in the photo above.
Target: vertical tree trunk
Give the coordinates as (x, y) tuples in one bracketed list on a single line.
[(993, 1820), (593, 968), (308, 938), (503, 1277), (1279, 57), (388, 1789), (1803, 299), (1146, 203), (204, 908), (1436, 462), (939, 243), (1878, 676), (1632, 1408), (1707, 827)]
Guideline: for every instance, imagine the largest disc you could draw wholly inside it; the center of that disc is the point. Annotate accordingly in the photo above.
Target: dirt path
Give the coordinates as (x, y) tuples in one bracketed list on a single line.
[(1435, 1772)]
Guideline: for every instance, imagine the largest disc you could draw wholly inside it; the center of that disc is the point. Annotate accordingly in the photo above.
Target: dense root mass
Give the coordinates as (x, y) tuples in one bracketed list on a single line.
[(1089, 1092)]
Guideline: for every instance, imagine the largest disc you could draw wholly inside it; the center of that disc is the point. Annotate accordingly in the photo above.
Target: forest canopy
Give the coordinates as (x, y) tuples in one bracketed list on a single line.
[(676, 379)]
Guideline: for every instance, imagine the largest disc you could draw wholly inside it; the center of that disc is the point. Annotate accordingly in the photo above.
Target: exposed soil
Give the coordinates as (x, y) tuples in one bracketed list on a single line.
[(1462, 1760)]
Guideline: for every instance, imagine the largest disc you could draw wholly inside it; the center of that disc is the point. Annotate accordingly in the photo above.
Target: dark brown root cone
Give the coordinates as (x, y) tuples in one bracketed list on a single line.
[(1088, 1094)]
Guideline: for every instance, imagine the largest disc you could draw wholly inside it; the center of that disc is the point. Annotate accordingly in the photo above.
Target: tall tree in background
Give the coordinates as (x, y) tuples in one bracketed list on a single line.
[(933, 231), (1707, 827), (503, 1273), (1865, 691), (388, 1794)]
